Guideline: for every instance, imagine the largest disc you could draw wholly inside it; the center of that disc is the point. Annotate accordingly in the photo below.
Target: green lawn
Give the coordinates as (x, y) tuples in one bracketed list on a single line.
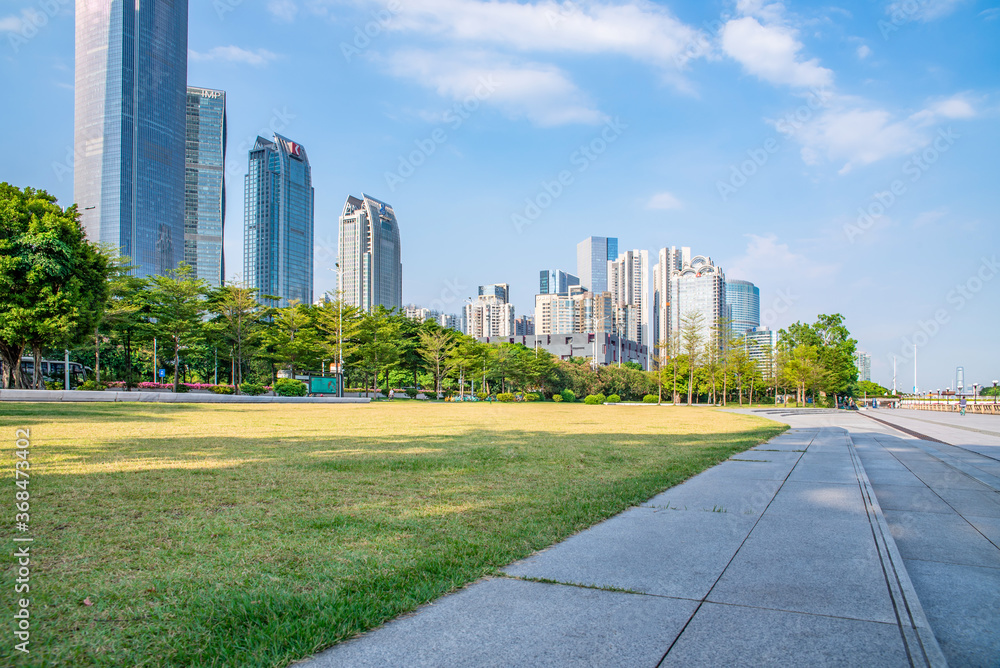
[(255, 535)]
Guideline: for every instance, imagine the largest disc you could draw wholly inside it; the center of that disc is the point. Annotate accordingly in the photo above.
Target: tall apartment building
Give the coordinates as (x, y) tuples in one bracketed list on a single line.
[(204, 184), (863, 361), (592, 257), (743, 305), (489, 316), (579, 311), (371, 267), (278, 212), (130, 122), (760, 344), (524, 326), (669, 260), (699, 287), (499, 290), (628, 283), (555, 281), (420, 314), (450, 321)]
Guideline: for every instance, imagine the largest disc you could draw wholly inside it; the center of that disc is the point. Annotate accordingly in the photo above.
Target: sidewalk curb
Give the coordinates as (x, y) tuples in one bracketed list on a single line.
[(918, 637)]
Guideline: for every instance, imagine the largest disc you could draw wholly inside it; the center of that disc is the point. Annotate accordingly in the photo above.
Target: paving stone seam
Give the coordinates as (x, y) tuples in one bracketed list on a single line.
[(931, 439), (991, 481), (918, 637), (704, 598), (950, 426)]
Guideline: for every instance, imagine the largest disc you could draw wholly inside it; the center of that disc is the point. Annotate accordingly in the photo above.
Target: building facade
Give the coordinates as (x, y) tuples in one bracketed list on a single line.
[(278, 215), (592, 257), (669, 261), (371, 267), (605, 348), (555, 281), (204, 184), (743, 305), (524, 326), (577, 312), (488, 315), (628, 283), (699, 291), (499, 290), (130, 122), (760, 344), (863, 361)]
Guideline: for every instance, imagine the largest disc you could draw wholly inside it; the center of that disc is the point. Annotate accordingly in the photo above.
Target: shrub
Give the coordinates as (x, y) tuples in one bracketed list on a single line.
[(590, 400), (568, 396), (650, 399), (531, 396), (614, 399), (412, 392), (251, 389), (600, 398), (289, 387), (181, 387), (91, 386), (505, 397), (557, 398), (482, 396), (222, 389)]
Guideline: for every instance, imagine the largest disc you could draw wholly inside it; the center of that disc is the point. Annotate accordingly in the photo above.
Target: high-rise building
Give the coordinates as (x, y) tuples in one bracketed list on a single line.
[(699, 287), (760, 345), (863, 361), (592, 256), (450, 321), (743, 305), (555, 282), (420, 314), (371, 265), (628, 283), (499, 290), (131, 87), (488, 315), (524, 326), (578, 311), (278, 212), (204, 184), (669, 260)]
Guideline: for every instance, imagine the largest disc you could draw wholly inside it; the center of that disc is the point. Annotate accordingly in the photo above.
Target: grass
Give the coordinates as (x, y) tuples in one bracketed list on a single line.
[(255, 535)]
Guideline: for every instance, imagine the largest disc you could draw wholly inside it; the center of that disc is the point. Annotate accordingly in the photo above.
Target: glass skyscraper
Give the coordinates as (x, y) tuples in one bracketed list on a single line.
[(131, 84), (371, 268), (743, 304), (278, 213), (204, 184), (592, 257)]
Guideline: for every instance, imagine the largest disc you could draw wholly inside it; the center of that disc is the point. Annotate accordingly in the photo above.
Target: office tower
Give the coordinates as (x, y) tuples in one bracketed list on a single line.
[(760, 345), (204, 184), (488, 315), (555, 282), (863, 361), (131, 86), (628, 283), (524, 326), (371, 265), (278, 211), (743, 306), (499, 290), (592, 256), (699, 287), (577, 312), (959, 379), (669, 260)]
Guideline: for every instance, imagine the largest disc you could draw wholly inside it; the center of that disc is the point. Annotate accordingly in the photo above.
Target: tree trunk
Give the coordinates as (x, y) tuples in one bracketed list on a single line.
[(177, 363), (97, 355), (36, 381), (690, 384)]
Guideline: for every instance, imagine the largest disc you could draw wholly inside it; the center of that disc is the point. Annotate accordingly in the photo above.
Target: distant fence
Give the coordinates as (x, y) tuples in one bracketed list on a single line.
[(952, 406)]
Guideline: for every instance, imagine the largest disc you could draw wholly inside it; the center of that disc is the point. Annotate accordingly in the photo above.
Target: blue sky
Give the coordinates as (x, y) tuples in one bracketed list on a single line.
[(841, 156)]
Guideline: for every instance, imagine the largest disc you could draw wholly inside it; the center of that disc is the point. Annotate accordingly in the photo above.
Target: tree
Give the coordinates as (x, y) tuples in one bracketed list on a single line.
[(126, 314), (377, 338), (237, 318), (295, 339), (692, 340), (801, 367), (176, 306), (436, 348)]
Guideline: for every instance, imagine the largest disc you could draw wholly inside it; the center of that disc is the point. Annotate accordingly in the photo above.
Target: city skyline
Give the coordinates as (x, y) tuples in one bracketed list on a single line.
[(798, 176)]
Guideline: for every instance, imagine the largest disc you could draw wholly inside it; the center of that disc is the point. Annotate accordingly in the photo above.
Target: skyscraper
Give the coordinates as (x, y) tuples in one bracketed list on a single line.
[(628, 283), (371, 267), (863, 361), (278, 211), (576, 312), (552, 282), (592, 256), (204, 184), (131, 85), (743, 305), (499, 290), (670, 260), (699, 287)]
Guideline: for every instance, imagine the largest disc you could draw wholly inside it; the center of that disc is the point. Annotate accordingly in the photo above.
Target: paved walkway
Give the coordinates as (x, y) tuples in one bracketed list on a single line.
[(783, 555)]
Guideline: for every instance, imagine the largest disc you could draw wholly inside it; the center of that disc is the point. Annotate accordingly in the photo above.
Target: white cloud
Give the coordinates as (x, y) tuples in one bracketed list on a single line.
[(17, 23), (284, 10), (921, 10), (770, 261), (538, 92), (864, 52), (664, 202), (991, 14), (771, 53), (234, 54)]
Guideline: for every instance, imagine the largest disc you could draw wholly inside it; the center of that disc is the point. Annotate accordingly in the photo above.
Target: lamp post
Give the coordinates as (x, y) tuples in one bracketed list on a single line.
[(995, 392)]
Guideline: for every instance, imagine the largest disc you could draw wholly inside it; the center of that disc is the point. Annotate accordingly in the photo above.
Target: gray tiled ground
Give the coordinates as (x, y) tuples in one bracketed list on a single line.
[(988, 526), (726, 635), (937, 537), (505, 622), (909, 497), (700, 493)]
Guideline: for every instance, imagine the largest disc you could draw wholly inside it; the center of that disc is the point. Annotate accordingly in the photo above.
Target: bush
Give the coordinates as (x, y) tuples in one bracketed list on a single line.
[(650, 399), (482, 396), (568, 396), (557, 398), (221, 389), (251, 389), (601, 398), (289, 387), (614, 399), (181, 387), (594, 399), (91, 386), (531, 396), (505, 397), (412, 392)]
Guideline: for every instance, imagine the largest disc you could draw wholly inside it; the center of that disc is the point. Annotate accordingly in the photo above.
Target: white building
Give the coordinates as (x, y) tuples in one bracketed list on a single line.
[(669, 260), (699, 287), (489, 315), (628, 283), (863, 361), (577, 312), (371, 269)]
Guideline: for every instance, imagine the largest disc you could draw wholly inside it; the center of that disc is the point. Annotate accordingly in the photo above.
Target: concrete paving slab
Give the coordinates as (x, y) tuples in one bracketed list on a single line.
[(726, 635), (733, 470), (947, 478), (969, 502), (966, 625), (505, 622), (988, 526), (881, 477), (909, 497), (700, 493), (665, 552), (825, 468), (938, 537)]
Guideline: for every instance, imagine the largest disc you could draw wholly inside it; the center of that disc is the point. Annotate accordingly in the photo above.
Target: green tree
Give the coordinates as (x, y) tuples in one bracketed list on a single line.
[(436, 348), (377, 344), (237, 318), (176, 306), (295, 339), (692, 340), (126, 317)]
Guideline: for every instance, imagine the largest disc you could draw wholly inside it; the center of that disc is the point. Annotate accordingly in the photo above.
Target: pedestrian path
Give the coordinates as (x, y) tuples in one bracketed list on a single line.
[(781, 555)]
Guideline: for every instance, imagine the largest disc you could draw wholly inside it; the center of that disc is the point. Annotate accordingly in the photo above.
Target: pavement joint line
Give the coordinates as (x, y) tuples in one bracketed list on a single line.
[(980, 476), (580, 585), (796, 612), (923, 649), (952, 563), (925, 437), (951, 426), (704, 598)]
